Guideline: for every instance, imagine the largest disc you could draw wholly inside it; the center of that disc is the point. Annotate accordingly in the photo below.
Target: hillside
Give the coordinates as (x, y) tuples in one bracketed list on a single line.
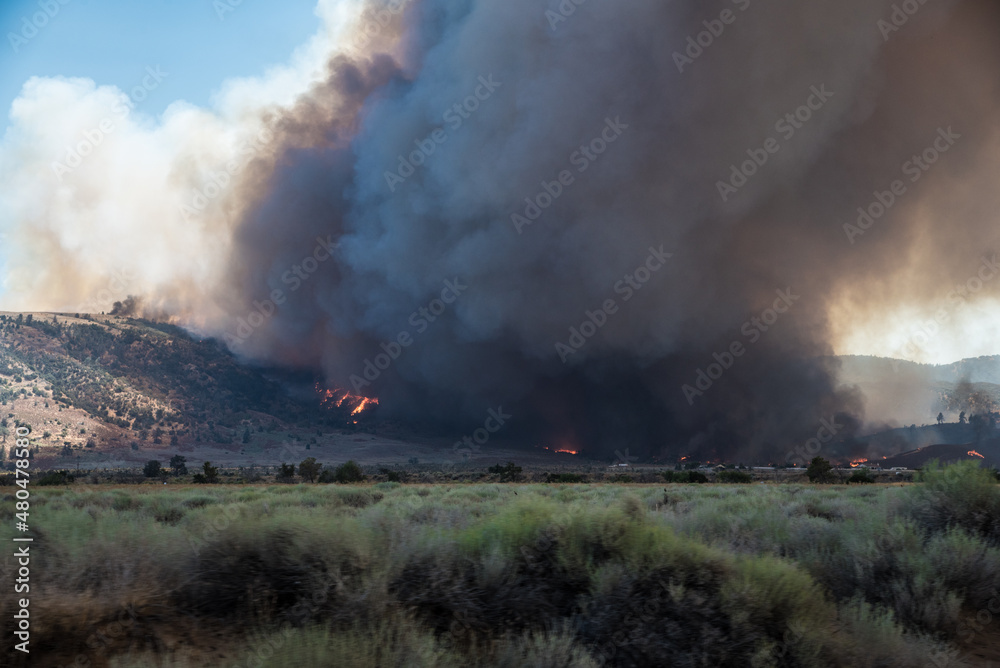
[(987, 452), (103, 391), (109, 390)]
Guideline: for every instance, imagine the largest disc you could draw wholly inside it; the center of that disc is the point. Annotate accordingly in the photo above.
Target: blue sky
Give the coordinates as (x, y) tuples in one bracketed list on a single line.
[(113, 41)]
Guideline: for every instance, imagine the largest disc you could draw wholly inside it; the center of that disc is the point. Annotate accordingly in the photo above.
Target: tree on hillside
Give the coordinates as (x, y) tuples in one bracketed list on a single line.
[(179, 464), (978, 424), (286, 472), (940, 418), (151, 469), (820, 470), (309, 469), (211, 473), (961, 418)]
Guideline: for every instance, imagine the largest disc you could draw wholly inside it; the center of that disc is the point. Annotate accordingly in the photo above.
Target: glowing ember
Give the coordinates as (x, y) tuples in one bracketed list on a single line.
[(572, 452), (973, 453), (855, 463)]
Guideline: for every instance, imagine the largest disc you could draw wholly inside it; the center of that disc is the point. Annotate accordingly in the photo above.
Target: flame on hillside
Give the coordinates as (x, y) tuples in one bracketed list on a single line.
[(562, 448), (363, 404), (338, 397), (973, 453), (855, 463)]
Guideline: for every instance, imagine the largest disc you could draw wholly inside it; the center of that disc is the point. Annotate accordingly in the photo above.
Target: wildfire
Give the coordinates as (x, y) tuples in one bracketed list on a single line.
[(973, 453), (563, 450), (364, 403), (855, 463), (338, 397)]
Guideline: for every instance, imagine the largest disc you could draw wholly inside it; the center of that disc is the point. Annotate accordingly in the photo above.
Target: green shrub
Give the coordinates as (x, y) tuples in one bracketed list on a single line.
[(310, 469), (169, 515), (391, 476), (565, 478), (820, 470), (734, 477), (55, 478), (348, 472), (508, 473), (685, 477), (861, 476), (960, 495), (123, 501), (210, 472), (243, 575), (286, 473), (358, 498)]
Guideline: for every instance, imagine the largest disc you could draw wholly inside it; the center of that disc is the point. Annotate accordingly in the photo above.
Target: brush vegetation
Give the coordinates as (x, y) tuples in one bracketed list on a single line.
[(541, 575)]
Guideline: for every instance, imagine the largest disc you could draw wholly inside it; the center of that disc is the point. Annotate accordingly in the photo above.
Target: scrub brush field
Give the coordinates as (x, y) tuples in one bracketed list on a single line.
[(512, 575)]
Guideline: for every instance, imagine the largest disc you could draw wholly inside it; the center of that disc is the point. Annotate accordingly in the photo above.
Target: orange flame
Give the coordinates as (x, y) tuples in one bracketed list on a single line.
[(365, 403), (973, 453), (562, 449), (855, 463), (337, 397)]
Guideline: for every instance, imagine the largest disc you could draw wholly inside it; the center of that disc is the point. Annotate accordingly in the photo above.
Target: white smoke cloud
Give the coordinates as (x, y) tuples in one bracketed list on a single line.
[(96, 192)]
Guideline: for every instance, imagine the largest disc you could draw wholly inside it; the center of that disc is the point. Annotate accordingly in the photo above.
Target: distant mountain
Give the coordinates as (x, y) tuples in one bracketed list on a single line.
[(899, 393), (973, 370)]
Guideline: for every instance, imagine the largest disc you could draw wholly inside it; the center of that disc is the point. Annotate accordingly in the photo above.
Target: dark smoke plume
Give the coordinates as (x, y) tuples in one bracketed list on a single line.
[(655, 185)]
